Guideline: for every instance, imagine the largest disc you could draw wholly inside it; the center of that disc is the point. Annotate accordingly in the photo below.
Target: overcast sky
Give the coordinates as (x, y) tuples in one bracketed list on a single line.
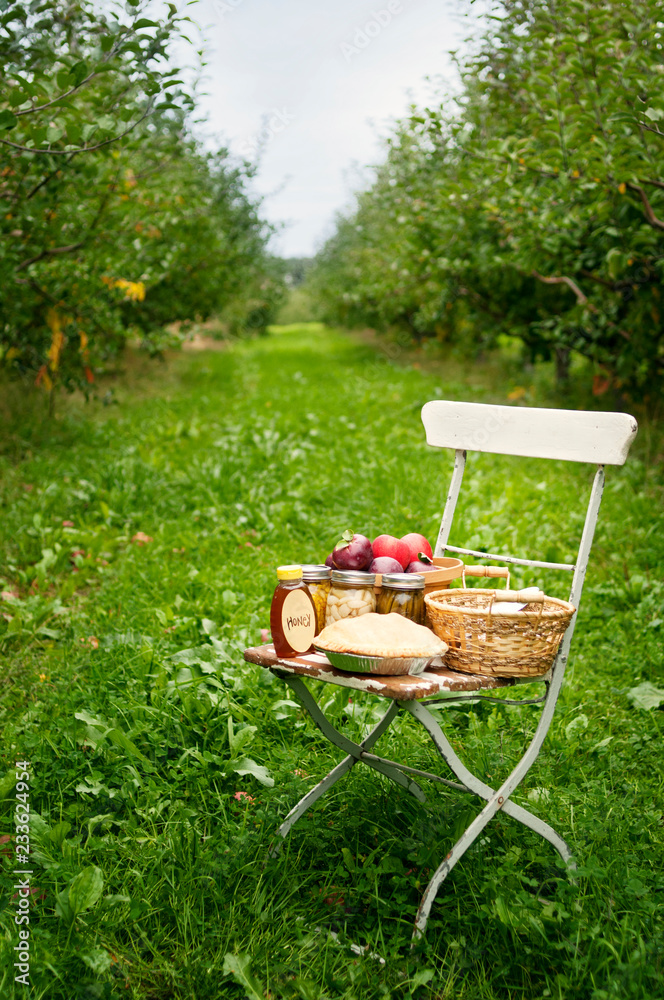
[(314, 84)]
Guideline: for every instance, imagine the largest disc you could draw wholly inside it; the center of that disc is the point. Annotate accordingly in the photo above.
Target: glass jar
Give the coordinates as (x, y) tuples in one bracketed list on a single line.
[(403, 594), (317, 579), (351, 595), (292, 613)]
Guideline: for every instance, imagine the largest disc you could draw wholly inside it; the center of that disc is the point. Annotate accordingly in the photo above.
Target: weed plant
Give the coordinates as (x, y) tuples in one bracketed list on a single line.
[(139, 546)]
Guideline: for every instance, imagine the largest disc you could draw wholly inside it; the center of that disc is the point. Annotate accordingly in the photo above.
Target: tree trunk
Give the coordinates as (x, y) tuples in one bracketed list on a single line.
[(562, 366)]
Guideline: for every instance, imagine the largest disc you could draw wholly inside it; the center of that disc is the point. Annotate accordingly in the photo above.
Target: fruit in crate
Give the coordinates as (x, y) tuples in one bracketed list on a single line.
[(352, 552), (385, 564), (418, 566), (417, 544), (392, 548)]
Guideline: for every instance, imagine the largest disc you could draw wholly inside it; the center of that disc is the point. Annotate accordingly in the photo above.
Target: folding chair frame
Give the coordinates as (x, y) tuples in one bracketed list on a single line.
[(570, 435)]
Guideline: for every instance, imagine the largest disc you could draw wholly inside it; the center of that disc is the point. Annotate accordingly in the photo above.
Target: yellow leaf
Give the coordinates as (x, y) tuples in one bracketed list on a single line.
[(134, 290), (54, 322), (575, 173), (622, 187), (517, 393), (43, 378)]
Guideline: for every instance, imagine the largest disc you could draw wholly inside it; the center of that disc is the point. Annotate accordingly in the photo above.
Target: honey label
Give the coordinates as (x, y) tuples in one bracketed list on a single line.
[(298, 621)]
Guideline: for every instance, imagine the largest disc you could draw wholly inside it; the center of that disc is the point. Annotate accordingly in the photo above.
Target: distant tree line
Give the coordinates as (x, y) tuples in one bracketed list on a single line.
[(114, 221), (532, 204)]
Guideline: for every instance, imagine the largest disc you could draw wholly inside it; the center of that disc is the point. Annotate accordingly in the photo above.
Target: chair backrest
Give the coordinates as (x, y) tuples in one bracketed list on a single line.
[(571, 435)]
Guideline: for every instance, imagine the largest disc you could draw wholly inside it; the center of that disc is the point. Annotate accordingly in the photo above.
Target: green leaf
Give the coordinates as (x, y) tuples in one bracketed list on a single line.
[(144, 22), (122, 740), (239, 966), (349, 860), (78, 72), (242, 738), (7, 784), (576, 726), (58, 833), (614, 260), (654, 114), (646, 696), (97, 959), (86, 889), (7, 119), (90, 720), (82, 892), (245, 765), (421, 978), (54, 132)]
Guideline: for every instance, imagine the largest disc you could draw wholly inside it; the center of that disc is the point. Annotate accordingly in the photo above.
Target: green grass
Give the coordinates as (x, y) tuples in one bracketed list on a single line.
[(124, 685)]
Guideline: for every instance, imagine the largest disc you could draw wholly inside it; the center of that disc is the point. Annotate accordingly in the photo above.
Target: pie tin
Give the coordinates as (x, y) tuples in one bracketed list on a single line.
[(386, 665)]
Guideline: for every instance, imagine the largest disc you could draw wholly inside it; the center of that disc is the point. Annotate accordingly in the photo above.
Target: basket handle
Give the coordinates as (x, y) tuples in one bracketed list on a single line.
[(521, 597), (492, 571)]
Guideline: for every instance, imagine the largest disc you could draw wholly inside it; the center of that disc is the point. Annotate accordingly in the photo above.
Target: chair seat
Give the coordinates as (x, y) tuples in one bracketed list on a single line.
[(434, 680)]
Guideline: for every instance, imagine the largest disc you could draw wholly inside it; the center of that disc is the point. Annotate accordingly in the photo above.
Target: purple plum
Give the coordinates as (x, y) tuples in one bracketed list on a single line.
[(417, 566), (353, 552)]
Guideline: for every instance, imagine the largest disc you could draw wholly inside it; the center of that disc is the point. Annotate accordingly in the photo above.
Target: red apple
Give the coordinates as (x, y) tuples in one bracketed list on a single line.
[(394, 548), (384, 564), (420, 567), (416, 544)]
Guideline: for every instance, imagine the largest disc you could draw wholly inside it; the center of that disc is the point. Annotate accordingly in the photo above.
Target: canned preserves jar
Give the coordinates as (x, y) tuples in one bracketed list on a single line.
[(317, 579), (402, 593), (351, 595)]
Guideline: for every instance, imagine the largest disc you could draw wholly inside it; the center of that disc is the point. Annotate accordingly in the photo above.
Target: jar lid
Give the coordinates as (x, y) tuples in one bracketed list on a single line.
[(403, 581), (289, 572), (353, 577), (313, 572)]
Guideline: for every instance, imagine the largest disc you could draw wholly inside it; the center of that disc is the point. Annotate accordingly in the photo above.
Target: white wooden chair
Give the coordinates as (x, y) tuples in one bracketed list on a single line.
[(576, 436)]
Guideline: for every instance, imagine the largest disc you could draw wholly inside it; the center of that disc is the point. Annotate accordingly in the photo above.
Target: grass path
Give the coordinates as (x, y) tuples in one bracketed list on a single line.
[(138, 546)]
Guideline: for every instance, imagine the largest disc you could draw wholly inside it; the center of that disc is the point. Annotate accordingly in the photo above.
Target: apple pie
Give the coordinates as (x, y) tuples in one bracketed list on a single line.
[(389, 636)]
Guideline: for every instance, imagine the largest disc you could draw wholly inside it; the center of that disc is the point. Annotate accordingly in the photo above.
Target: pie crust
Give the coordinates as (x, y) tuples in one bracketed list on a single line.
[(380, 635)]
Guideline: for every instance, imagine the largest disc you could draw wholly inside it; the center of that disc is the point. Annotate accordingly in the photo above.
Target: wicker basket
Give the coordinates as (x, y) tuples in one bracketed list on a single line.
[(522, 644)]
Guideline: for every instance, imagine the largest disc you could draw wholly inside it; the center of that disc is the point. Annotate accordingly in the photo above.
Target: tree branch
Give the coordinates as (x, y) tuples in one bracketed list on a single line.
[(62, 97), (83, 149), (481, 303), (581, 299), (649, 128), (647, 207), (564, 280), (45, 180), (49, 253)]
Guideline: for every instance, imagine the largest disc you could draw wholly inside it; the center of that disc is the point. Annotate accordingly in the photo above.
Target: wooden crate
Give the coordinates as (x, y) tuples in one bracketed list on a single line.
[(449, 569)]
